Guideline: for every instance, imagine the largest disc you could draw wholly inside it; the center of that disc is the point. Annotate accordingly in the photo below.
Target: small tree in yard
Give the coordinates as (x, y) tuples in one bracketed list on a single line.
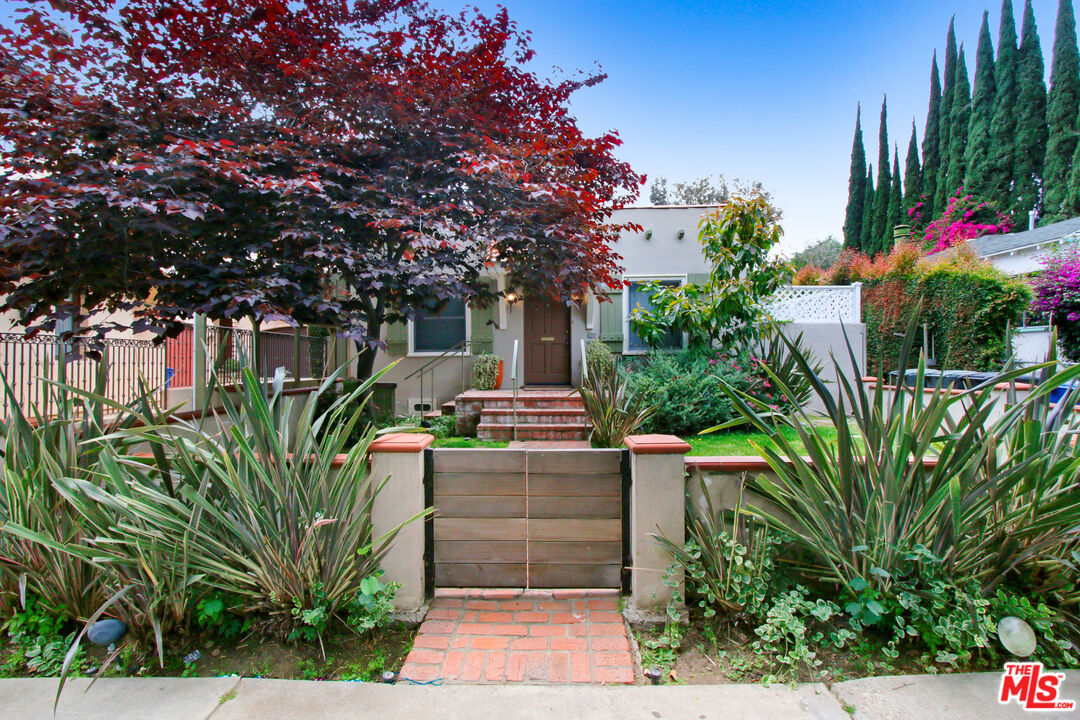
[(317, 162), (736, 240)]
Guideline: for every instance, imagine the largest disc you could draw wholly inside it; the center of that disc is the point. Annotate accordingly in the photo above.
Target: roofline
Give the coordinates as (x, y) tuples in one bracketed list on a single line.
[(1058, 241)]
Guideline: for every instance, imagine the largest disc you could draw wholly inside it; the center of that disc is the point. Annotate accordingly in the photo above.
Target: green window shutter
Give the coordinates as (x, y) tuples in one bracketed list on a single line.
[(483, 328), (397, 338), (697, 278), (611, 321)]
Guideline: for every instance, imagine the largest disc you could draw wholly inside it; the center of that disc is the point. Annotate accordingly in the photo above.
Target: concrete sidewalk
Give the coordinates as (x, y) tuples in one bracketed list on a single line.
[(956, 697)]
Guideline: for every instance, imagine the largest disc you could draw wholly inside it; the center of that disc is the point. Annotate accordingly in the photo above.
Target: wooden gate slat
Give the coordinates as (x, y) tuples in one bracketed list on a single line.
[(574, 576), (576, 553), (480, 529), (575, 507), (570, 485), (484, 551), (480, 506), (477, 483), (480, 575), (572, 530), (488, 460)]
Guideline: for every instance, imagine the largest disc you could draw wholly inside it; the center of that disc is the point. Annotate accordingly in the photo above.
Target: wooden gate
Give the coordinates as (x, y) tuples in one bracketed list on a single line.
[(527, 518)]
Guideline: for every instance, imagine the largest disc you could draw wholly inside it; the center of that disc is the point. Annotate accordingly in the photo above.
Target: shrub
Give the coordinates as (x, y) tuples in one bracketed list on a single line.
[(1057, 291), (598, 358), (808, 275), (485, 371), (685, 388)]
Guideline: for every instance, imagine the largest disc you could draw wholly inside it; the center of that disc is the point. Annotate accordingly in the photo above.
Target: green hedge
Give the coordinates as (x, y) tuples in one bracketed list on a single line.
[(966, 306)]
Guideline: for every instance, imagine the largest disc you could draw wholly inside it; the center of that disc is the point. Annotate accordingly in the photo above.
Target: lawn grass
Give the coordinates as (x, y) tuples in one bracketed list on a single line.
[(467, 442), (737, 442)]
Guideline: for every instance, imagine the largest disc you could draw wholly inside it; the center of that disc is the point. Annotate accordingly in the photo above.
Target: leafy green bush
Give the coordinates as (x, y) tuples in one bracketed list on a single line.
[(687, 386), (485, 371), (40, 637), (598, 358)]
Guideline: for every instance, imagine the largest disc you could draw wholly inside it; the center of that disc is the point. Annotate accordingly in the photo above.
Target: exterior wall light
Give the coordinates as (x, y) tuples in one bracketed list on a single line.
[(648, 234), (681, 234)]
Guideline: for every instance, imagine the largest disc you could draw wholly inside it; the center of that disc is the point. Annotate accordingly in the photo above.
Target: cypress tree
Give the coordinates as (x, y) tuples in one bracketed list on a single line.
[(941, 189), (896, 202), (912, 176), (881, 197), (853, 217), (977, 152), (868, 214), (1003, 121), (930, 147), (1031, 128), (958, 128), (1061, 108)]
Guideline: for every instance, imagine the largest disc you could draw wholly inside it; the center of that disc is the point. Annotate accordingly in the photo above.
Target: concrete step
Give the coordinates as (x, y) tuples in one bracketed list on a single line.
[(533, 416), (432, 414), (533, 431), (448, 408)]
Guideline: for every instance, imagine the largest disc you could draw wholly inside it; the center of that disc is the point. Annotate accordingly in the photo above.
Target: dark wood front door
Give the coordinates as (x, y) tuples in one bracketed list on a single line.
[(547, 342)]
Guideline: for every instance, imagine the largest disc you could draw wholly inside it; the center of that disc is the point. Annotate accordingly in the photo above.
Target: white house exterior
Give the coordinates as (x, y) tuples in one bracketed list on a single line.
[(433, 368), (1020, 253)]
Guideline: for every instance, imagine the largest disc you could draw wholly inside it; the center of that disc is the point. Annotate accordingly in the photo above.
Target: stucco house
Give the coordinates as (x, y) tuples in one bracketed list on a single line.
[(435, 352)]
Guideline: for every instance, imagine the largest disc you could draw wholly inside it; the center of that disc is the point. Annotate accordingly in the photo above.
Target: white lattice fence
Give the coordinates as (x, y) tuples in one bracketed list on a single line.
[(817, 303)]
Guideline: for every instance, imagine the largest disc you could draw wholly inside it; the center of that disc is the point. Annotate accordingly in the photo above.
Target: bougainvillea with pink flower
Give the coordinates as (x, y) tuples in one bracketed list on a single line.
[(1057, 293), (966, 218)]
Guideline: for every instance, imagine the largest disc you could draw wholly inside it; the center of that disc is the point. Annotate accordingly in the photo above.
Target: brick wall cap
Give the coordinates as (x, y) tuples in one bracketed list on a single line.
[(657, 445), (401, 443)]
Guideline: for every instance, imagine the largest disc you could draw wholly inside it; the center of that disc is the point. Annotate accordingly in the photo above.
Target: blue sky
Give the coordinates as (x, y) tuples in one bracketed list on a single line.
[(760, 90)]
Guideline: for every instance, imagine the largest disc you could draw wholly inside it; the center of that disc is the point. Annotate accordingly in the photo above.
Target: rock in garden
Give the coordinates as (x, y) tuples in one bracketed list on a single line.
[(106, 632)]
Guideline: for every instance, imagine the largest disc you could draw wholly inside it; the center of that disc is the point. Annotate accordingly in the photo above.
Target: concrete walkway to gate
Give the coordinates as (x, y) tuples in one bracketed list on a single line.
[(531, 636)]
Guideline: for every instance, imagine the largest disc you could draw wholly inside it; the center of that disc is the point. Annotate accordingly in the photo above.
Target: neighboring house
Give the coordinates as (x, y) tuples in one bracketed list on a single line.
[(434, 351), (1019, 253)]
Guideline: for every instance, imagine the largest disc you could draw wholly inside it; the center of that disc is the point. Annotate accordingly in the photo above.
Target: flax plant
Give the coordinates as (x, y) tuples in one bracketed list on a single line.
[(1000, 496)]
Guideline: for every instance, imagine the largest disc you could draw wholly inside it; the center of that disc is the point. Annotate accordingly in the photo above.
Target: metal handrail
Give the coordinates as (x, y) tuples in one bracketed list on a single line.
[(429, 368)]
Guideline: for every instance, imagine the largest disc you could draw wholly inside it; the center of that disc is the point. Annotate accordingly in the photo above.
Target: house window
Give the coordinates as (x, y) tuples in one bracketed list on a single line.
[(442, 331), (639, 297)]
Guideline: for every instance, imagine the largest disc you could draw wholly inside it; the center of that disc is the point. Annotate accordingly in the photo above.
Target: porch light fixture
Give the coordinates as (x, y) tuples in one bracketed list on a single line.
[(511, 297), (648, 234), (681, 234)]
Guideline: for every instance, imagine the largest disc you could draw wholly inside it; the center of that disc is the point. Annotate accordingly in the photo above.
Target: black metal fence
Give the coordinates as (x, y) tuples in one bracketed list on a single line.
[(28, 363), (229, 350)]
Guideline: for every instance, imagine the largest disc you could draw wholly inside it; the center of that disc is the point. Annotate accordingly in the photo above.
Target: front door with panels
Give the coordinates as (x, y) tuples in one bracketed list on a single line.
[(547, 342)]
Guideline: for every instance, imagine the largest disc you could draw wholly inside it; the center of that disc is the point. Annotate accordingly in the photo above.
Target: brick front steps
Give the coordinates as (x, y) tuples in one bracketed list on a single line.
[(540, 414), (522, 636)]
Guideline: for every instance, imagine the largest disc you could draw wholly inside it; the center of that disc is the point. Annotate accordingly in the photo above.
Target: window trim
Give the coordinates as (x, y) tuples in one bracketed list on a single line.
[(630, 280), (465, 352)]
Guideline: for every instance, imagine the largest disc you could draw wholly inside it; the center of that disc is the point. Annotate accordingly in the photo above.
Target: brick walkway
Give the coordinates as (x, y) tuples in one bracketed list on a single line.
[(499, 636)]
